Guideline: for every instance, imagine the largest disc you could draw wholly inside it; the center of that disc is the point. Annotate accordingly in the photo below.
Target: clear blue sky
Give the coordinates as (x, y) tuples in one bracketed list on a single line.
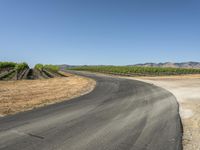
[(117, 32)]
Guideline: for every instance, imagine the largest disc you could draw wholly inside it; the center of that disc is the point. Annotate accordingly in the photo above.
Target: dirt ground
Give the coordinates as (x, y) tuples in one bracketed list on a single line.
[(16, 96), (187, 91)]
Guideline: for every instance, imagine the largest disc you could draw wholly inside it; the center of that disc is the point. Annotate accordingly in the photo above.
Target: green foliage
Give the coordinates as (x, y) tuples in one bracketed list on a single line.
[(21, 66), (135, 70), (53, 68), (49, 67), (39, 66), (7, 65)]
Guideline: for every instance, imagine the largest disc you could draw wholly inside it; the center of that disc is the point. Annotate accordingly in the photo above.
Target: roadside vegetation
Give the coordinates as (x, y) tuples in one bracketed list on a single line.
[(13, 71), (137, 71), (21, 66), (39, 66), (47, 71), (17, 96), (19, 71), (53, 68), (7, 65)]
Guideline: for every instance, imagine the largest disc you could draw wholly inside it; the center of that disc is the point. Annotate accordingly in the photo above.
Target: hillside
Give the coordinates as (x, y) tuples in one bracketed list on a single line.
[(191, 64)]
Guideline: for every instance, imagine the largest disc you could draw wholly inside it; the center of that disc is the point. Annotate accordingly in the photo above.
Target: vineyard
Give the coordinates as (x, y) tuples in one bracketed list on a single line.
[(19, 71), (46, 71), (137, 71)]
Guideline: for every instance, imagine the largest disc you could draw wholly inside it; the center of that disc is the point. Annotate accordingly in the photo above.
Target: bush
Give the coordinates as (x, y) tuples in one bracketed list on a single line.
[(21, 66), (7, 65), (49, 67), (39, 66), (53, 68)]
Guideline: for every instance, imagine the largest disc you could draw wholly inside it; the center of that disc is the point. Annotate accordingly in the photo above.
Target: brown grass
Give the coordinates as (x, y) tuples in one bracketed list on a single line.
[(16, 96)]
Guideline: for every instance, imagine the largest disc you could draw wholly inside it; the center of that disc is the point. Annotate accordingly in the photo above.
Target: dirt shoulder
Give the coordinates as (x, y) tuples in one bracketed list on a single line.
[(187, 91), (16, 96)]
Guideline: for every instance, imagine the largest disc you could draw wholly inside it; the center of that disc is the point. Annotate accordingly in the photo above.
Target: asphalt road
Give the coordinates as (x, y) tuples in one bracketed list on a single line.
[(119, 114)]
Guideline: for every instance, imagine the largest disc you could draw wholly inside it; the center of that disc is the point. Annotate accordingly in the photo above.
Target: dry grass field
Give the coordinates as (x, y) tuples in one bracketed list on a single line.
[(16, 96)]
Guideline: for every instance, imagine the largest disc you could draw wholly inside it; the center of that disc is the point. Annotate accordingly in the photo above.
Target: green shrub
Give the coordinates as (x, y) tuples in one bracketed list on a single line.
[(21, 66), (39, 66), (7, 65), (51, 68)]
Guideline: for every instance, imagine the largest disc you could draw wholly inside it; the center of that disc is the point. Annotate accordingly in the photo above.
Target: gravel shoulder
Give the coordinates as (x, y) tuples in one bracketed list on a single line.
[(187, 91), (17, 96)]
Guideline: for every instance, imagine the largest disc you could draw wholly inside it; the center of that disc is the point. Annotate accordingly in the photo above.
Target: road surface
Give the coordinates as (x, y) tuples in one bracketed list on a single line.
[(119, 114)]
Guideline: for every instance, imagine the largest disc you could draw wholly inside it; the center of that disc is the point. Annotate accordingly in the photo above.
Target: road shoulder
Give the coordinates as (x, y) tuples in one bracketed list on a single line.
[(187, 91)]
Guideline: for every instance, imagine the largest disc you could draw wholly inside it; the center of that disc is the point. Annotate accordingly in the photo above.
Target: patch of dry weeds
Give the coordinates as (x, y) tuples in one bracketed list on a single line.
[(16, 96)]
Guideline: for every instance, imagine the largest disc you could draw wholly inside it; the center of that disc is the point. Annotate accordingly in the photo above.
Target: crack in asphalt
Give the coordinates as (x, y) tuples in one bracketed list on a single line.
[(35, 136)]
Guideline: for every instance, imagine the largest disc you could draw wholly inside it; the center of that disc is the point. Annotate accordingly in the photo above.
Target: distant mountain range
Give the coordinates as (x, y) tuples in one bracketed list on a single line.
[(64, 66), (191, 64)]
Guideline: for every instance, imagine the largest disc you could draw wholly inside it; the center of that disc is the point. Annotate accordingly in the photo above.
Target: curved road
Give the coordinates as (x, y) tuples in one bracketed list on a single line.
[(119, 114)]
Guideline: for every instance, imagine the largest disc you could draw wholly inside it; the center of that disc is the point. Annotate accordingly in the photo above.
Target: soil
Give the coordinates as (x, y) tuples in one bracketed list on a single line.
[(22, 95)]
